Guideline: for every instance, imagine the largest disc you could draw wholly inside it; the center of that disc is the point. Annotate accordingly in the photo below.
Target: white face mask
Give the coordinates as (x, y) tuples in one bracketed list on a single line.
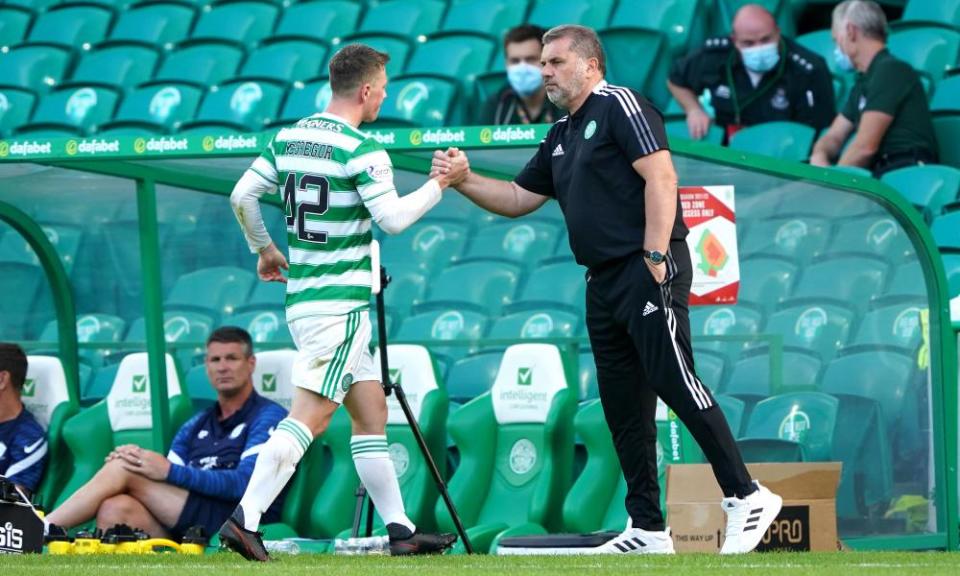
[(762, 58), (525, 79)]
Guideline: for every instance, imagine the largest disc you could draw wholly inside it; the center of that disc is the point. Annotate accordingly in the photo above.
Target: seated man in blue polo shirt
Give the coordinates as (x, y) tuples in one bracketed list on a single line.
[(202, 478), (23, 442)]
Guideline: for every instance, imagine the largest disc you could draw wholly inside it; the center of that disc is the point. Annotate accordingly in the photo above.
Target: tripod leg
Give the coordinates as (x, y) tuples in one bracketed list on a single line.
[(361, 495)]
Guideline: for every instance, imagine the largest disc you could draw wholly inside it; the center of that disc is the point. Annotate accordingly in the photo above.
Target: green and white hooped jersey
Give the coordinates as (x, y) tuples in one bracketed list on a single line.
[(327, 170)]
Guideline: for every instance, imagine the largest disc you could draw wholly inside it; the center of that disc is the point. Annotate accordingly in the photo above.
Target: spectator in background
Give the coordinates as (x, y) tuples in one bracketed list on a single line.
[(887, 106), (524, 100), (755, 76), (23, 442), (202, 478)]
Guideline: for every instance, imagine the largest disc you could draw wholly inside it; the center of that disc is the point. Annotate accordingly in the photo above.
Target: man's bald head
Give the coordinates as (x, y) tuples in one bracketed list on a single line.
[(754, 25)]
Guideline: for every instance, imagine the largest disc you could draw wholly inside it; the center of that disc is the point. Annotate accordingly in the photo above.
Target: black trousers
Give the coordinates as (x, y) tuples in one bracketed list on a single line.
[(640, 334)]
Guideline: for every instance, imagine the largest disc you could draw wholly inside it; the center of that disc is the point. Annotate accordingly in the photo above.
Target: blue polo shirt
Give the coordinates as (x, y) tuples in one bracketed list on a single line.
[(23, 450)]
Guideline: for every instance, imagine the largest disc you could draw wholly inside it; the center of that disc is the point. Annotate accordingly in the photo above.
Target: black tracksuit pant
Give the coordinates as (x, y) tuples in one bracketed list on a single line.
[(640, 334)]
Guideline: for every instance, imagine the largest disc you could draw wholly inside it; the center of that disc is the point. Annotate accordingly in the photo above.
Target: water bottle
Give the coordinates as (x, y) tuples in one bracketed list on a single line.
[(282, 546), (362, 546)]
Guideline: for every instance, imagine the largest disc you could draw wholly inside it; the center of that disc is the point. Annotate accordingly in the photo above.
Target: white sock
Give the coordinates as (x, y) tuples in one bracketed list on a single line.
[(376, 471), (275, 465)]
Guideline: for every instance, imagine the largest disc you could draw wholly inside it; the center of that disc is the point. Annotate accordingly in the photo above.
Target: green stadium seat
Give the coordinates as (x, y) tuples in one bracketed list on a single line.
[(895, 323), (407, 288), (98, 385), (16, 105), (855, 280), (430, 245), (411, 18), (112, 5), (284, 61), (550, 13), (201, 393), (178, 327), (542, 323), (484, 16), (907, 282), (76, 110), (944, 12), (596, 495), (887, 376), (803, 419), (946, 99), (820, 327), (243, 105), (444, 325), (118, 419), (799, 238), (750, 378), (399, 48), (35, 68), (951, 266), (556, 283), (931, 50), (456, 208), (161, 107), (929, 188), (486, 286), (71, 26), (92, 328), (418, 100), (45, 394), (33, 5), (734, 410), (322, 21), (202, 64), (948, 139), (710, 366), (866, 479), (678, 129), (414, 369), (116, 65), (784, 140), (879, 235), (213, 291), (65, 238), (523, 242), (14, 22), (460, 57), (946, 231), (473, 375), (264, 327), (305, 100), (516, 456), (589, 389), (265, 296), (680, 20), (160, 24), (638, 58), (741, 319), (243, 22)]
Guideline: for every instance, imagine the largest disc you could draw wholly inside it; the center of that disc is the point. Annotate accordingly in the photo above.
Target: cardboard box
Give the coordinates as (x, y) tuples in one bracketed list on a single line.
[(807, 522)]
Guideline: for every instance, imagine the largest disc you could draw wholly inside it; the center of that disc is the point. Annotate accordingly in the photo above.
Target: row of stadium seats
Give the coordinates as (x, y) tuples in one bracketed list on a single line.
[(506, 446)]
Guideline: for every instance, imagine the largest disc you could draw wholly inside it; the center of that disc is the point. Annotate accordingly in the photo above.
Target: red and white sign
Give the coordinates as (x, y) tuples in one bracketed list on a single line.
[(709, 214)]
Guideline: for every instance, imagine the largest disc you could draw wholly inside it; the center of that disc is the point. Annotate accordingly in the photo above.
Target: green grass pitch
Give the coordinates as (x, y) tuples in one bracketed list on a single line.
[(841, 563)]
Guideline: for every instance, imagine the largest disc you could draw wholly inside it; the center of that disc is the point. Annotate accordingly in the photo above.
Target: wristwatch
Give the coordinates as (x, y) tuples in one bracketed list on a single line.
[(655, 257)]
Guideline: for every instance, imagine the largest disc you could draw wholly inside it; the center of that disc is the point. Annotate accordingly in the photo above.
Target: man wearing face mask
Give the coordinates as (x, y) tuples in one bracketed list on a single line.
[(755, 76), (524, 100), (887, 105)]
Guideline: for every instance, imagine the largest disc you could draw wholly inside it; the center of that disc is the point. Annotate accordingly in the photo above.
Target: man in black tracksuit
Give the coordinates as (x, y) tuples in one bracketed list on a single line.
[(608, 166)]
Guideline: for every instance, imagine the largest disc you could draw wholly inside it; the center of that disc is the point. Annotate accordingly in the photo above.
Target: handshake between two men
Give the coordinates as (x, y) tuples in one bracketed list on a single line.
[(450, 168)]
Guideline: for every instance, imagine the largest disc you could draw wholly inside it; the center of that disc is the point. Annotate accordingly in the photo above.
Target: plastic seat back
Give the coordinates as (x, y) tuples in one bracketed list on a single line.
[(46, 396)]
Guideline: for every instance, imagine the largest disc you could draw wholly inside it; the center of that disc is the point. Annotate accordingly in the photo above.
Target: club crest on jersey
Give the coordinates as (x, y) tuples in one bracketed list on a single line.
[(381, 173), (346, 381), (590, 130)]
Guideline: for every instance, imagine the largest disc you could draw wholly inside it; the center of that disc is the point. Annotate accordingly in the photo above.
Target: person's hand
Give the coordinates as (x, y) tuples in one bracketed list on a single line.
[(270, 263), (450, 168), (659, 271), (819, 159), (698, 123), (146, 463)]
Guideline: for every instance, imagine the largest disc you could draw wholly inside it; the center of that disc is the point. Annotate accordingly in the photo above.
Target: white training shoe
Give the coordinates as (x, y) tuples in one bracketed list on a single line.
[(638, 541), (748, 519)]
